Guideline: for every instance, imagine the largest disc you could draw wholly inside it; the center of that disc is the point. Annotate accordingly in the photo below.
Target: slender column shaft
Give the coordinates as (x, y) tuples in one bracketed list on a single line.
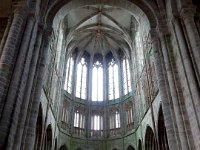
[(194, 39), (173, 80), (9, 53), (164, 93), (28, 87), (15, 93), (188, 81), (34, 106)]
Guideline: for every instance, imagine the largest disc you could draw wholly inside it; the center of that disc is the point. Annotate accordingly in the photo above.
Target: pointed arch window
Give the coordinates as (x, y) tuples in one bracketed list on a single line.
[(97, 122), (79, 120), (81, 79), (129, 115), (69, 74), (139, 49), (117, 119), (114, 120), (97, 82), (126, 76), (113, 79)]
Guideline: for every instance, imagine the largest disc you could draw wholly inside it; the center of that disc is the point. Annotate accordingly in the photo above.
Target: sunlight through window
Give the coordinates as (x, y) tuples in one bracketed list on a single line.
[(97, 82), (81, 80)]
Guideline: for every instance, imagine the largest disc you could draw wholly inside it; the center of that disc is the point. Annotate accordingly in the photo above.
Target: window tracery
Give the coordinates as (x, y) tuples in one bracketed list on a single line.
[(69, 75), (126, 76), (81, 79), (97, 81), (113, 85)]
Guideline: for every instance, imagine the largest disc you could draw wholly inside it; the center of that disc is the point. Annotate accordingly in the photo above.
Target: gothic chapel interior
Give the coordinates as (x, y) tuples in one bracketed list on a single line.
[(99, 75)]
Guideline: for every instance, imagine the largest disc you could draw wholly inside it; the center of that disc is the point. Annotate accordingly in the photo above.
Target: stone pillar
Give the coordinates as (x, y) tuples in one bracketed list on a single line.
[(174, 82), (24, 64), (9, 53), (29, 85), (89, 101), (164, 93), (187, 15), (16, 89), (30, 126), (72, 109), (122, 109), (105, 98), (188, 81)]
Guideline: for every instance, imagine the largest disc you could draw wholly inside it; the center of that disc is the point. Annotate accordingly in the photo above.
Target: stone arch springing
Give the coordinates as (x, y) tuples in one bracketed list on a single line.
[(48, 138), (63, 147), (139, 145), (150, 141), (130, 148), (39, 126), (162, 134)]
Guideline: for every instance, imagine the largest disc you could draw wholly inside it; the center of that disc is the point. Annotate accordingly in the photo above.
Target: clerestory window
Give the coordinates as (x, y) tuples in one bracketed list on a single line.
[(126, 76), (69, 74), (81, 79), (97, 122), (79, 120), (114, 120), (97, 82), (113, 89)]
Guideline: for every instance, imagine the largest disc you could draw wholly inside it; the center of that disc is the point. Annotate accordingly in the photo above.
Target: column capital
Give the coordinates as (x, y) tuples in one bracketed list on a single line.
[(154, 34), (47, 32), (187, 12), (20, 7)]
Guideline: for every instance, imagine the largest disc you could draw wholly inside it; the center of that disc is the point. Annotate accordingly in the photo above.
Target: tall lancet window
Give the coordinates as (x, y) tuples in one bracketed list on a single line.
[(69, 74), (126, 76), (97, 82), (114, 119), (97, 122), (81, 79), (117, 119), (113, 80)]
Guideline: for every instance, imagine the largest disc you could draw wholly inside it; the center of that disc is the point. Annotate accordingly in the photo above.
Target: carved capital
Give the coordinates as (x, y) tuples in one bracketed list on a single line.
[(20, 8), (154, 34), (188, 12)]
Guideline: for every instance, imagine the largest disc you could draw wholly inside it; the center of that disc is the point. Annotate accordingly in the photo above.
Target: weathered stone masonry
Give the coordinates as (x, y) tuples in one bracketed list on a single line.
[(165, 90)]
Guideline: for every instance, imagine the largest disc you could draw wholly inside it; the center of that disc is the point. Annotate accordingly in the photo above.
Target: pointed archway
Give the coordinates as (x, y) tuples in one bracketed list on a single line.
[(139, 145), (38, 134), (162, 134), (150, 141), (63, 147), (48, 139), (130, 148)]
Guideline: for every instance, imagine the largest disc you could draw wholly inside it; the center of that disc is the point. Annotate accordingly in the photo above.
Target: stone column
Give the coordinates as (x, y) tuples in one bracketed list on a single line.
[(105, 98), (29, 133), (30, 41), (187, 15), (89, 101), (189, 84), (174, 82), (29, 85), (164, 93), (73, 93), (9, 52), (16, 89), (122, 109)]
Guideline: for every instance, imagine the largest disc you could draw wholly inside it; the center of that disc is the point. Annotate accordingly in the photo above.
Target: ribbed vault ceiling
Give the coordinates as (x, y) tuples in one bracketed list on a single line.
[(99, 29)]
